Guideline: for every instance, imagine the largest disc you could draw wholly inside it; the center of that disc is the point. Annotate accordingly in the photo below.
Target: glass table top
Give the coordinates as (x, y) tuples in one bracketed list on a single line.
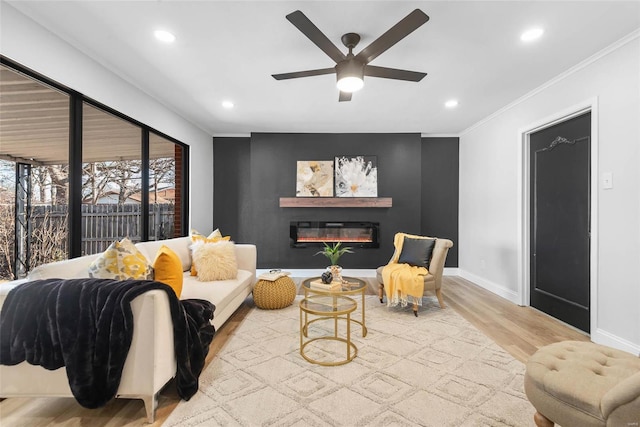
[(336, 304), (349, 285)]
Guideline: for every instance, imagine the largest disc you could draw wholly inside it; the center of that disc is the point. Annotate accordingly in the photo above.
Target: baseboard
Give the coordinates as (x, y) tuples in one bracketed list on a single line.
[(451, 271), (349, 272), (311, 272), (603, 337), (499, 290)]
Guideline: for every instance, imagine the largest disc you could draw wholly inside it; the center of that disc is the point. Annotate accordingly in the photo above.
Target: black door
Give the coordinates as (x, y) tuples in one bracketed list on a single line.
[(560, 212)]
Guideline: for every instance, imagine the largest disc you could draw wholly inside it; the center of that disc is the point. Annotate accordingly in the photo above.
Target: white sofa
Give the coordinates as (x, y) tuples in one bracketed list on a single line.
[(151, 361)]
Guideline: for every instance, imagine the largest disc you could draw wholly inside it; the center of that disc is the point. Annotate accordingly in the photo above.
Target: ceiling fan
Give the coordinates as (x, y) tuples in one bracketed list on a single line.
[(350, 69)]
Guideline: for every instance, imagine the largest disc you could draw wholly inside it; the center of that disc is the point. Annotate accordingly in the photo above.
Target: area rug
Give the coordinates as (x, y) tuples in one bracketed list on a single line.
[(433, 370)]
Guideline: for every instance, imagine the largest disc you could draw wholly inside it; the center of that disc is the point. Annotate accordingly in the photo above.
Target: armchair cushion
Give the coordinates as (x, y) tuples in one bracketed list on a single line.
[(416, 252)]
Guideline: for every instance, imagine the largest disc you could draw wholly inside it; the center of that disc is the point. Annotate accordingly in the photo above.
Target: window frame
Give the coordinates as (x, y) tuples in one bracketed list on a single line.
[(76, 101)]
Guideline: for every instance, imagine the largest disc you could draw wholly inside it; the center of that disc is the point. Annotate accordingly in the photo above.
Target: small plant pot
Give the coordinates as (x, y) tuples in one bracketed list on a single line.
[(336, 272)]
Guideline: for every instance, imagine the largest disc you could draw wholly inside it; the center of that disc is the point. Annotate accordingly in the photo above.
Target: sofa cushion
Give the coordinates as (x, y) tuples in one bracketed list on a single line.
[(215, 261), (74, 268), (167, 269), (122, 260), (220, 292)]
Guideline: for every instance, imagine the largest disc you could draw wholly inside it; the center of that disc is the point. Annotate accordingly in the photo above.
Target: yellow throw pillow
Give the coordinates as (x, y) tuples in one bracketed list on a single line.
[(168, 269), (216, 261), (121, 261), (196, 234)]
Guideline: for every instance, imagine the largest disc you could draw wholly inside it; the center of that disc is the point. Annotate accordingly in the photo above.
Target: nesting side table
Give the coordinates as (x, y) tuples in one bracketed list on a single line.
[(350, 286), (327, 308)]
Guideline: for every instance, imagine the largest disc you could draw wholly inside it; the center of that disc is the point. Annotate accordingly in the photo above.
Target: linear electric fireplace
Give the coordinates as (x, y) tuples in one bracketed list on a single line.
[(313, 233)]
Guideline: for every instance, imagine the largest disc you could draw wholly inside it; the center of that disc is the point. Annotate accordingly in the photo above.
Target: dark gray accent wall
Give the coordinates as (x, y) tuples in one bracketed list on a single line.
[(439, 193), (231, 185), (251, 174)]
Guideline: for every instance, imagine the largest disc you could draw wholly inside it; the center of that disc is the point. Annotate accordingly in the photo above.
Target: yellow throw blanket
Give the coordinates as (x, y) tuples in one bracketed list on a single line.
[(403, 283)]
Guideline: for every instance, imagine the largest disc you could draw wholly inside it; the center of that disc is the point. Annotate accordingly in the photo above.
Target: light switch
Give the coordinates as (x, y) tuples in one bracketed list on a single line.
[(607, 180)]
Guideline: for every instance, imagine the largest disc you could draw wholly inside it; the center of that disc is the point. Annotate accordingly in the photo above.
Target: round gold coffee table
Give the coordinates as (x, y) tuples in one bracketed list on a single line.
[(327, 307), (350, 286)]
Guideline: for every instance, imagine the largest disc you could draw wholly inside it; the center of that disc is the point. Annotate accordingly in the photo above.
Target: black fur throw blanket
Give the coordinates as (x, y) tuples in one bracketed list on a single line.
[(87, 326)]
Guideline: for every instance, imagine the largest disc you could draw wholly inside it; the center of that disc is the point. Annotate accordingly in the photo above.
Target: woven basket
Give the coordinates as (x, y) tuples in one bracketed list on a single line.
[(270, 295)]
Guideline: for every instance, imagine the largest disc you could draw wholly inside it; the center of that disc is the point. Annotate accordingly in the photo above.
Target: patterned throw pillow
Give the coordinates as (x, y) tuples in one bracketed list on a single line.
[(121, 261), (197, 236)]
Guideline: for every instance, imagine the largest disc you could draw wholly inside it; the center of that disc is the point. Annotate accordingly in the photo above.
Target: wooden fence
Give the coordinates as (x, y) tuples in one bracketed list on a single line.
[(102, 224)]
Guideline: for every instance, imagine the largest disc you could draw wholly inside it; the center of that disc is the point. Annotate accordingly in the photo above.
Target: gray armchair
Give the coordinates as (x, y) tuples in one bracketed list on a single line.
[(433, 280)]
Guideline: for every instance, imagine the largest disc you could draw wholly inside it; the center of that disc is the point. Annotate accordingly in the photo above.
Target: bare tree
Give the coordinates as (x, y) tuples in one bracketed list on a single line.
[(7, 181), (59, 175), (124, 174), (95, 184), (7, 241), (161, 171), (7, 218), (40, 182), (48, 237)]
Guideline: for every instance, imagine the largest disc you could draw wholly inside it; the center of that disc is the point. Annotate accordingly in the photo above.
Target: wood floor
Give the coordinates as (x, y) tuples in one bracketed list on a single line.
[(519, 330)]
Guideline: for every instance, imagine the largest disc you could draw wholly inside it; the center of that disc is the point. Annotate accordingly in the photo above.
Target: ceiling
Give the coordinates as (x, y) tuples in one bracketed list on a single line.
[(227, 50), (34, 127)]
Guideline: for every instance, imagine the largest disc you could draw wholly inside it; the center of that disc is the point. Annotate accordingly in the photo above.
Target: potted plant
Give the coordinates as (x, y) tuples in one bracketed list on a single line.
[(333, 253)]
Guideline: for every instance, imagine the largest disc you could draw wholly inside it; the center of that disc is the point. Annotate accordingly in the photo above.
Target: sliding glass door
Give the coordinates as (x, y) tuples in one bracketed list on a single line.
[(76, 175)]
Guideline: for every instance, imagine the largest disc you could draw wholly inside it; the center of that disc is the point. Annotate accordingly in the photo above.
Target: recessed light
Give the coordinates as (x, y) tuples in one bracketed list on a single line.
[(164, 36), (227, 104), (451, 103), (532, 34)]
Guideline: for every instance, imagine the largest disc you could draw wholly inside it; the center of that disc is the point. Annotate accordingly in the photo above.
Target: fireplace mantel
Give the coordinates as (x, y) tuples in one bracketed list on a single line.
[(335, 202)]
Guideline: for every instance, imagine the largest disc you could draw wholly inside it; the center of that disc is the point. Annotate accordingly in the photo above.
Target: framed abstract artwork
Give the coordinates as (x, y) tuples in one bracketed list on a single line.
[(356, 176), (314, 178)]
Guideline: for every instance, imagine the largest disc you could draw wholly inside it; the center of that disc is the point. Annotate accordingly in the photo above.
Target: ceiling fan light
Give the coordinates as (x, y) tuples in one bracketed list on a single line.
[(350, 75), (350, 84)]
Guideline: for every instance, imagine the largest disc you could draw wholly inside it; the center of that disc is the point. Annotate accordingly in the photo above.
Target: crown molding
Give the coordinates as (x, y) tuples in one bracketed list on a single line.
[(231, 135), (439, 135)]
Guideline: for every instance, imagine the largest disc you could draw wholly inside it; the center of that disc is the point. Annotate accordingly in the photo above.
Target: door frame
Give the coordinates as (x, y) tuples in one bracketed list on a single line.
[(524, 204)]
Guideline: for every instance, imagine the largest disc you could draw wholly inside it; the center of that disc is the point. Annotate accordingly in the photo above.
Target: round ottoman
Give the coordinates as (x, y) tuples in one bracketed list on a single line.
[(576, 383), (270, 295)]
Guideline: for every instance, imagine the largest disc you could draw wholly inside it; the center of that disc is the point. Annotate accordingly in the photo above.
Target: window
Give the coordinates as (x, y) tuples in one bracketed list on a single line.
[(111, 180), (130, 179), (34, 173), (165, 192)]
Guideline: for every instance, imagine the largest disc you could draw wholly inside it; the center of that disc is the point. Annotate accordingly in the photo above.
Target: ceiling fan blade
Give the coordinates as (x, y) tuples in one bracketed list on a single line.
[(308, 73), (307, 28), (396, 33), (393, 73), (345, 96)]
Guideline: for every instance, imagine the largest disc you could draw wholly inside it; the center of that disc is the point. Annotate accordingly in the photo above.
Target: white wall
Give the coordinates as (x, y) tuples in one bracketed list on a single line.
[(490, 194), (26, 42)]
